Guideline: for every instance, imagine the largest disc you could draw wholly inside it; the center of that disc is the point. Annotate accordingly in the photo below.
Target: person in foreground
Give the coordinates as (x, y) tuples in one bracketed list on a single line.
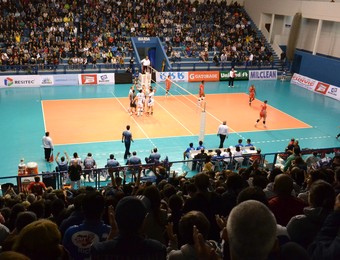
[(189, 223), (126, 240), (327, 243), (252, 234)]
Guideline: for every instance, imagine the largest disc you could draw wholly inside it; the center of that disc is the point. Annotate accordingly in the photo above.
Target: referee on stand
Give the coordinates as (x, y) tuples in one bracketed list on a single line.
[(222, 132)]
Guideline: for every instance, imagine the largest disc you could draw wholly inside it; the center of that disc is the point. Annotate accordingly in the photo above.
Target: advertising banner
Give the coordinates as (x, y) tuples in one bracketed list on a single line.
[(175, 76), (262, 74), (316, 86), (333, 92), (106, 78), (87, 79), (21, 81), (303, 82), (240, 75), (196, 76), (46, 80), (65, 79)]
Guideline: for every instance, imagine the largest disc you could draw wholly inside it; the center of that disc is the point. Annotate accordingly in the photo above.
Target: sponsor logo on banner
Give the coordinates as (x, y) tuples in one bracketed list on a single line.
[(88, 79), (175, 76), (333, 92), (66, 79), (303, 81), (204, 75), (321, 88), (240, 75), (20, 81), (316, 86), (262, 74), (103, 78), (106, 78), (8, 82), (46, 80)]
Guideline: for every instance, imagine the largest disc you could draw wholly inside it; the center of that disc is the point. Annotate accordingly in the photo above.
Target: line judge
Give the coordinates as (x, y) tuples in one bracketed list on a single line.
[(222, 132)]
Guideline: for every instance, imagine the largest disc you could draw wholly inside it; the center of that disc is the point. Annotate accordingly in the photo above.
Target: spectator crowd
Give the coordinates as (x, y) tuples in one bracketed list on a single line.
[(92, 32), (289, 212), (246, 213)]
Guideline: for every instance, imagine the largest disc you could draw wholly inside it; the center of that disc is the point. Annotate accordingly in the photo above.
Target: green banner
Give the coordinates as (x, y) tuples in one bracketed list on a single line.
[(240, 75)]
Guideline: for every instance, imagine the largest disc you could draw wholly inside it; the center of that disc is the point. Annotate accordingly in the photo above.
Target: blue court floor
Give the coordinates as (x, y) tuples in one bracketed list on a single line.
[(22, 122)]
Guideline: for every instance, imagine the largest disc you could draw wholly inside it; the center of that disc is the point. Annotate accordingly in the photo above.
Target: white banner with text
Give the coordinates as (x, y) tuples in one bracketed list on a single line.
[(316, 86)]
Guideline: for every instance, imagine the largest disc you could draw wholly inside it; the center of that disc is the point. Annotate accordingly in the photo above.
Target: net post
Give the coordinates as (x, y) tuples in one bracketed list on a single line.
[(202, 123)]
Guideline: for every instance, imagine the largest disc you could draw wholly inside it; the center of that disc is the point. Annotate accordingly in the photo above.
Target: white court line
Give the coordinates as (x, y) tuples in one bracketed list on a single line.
[(139, 126), (256, 142), (290, 116), (43, 114), (175, 118), (77, 99), (186, 96)]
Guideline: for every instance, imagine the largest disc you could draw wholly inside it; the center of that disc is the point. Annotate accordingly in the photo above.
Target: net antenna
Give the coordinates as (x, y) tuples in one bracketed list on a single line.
[(200, 104), (202, 123)]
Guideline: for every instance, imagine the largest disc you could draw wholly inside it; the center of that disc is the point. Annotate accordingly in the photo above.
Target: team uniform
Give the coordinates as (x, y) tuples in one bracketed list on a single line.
[(151, 101), (146, 92), (263, 114), (201, 94), (140, 103), (132, 98), (252, 92), (167, 85)]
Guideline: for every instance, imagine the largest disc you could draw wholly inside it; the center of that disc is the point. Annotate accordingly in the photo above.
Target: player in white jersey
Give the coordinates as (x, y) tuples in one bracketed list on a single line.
[(151, 100), (140, 100), (146, 94)]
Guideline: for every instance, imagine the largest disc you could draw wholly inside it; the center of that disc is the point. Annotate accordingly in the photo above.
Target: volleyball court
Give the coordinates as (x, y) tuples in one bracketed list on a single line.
[(178, 114), (233, 107)]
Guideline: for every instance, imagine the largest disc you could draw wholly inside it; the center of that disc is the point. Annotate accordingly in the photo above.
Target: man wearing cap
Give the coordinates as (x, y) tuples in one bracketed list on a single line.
[(129, 242)]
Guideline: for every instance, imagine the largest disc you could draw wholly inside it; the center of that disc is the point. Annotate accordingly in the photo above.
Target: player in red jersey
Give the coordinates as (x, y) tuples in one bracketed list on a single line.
[(201, 94), (167, 85), (263, 113), (252, 93)]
